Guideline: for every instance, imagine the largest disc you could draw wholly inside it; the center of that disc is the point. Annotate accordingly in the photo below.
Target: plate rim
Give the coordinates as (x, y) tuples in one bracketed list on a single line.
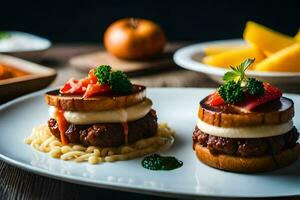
[(19, 63), (182, 57), (114, 185)]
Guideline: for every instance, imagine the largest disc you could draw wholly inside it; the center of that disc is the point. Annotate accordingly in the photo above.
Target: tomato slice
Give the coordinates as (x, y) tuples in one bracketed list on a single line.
[(88, 86), (271, 93), (215, 99), (96, 89), (72, 86), (92, 77)]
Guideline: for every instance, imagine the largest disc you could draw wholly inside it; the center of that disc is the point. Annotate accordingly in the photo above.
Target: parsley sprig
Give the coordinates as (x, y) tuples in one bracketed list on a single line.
[(117, 80), (237, 84), (238, 73)]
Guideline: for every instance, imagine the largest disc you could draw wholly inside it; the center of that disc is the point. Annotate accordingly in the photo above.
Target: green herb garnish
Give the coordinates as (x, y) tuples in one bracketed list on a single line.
[(4, 35), (158, 162), (102, 73), (255, 87), (231, 92), (238, 73), (237, 84), (117, 80)]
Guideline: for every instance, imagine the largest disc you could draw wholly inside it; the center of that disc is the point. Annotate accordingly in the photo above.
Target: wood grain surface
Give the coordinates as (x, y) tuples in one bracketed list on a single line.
[(19, 184)]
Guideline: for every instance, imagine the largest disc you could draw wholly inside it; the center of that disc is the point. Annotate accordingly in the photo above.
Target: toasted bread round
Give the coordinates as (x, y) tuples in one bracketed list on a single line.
[(96, 103), (247, 165), (276, 112)]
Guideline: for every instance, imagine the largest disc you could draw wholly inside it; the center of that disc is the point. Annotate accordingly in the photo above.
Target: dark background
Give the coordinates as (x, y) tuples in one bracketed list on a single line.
[(85, 21)]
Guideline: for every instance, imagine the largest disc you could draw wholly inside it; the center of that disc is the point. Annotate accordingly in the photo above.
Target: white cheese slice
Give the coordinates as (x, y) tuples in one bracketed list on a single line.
[(246, 132), (119, 115)]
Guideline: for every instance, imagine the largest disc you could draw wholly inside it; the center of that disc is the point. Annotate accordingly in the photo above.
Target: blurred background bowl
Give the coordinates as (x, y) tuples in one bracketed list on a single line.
[(24, 45), (190, 57)]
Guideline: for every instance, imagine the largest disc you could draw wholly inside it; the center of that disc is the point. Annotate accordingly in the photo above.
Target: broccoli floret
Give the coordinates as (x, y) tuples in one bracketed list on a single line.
[(231, 92), (255, 87), (117, 80), (102, 73), (120, 83)]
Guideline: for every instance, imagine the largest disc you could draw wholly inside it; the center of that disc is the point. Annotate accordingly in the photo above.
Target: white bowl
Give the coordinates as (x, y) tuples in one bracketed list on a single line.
[(24, 45), (190, 57)]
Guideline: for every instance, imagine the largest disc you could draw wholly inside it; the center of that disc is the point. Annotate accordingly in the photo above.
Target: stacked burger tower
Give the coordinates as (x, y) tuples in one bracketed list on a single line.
[(103, 110), (246, 126)]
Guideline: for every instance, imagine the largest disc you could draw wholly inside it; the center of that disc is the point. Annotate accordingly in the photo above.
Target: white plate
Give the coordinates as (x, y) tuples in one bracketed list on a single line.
[(190, 57), (178, 107)]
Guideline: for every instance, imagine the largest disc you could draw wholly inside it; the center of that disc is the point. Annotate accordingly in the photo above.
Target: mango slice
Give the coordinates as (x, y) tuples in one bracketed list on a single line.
[(216, 49), (297, 36), (234, 57), (266, 39), (285, 60)]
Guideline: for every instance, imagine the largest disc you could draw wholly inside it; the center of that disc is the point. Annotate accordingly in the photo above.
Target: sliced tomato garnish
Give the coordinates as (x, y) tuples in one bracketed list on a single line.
[(96, 88), (72, 86), (215, 99), (271, 93), (87, 86), (93, 78)]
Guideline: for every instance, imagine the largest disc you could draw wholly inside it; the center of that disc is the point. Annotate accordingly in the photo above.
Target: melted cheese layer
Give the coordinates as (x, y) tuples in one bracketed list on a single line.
[(246, 132), (119, 115)]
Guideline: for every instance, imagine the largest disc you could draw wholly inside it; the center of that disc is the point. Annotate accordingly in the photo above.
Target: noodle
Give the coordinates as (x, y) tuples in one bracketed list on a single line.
[(42, 140)]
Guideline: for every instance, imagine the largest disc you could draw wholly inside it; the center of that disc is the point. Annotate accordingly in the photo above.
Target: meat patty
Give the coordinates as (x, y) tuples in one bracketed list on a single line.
[(246, 147), (108, 134)]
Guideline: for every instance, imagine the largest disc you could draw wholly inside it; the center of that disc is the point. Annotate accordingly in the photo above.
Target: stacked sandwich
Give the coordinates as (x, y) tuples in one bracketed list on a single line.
[(104, 110), (246, 126)]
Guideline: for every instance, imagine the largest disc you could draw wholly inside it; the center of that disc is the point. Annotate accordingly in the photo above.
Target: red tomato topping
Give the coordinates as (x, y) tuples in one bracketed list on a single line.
[(96, 88), (71, 87), (271, 93), (87, 86), (92, 77), (215, 99)]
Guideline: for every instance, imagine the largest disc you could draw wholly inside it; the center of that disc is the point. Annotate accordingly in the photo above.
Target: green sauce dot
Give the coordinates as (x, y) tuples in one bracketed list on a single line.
[(158, 162)]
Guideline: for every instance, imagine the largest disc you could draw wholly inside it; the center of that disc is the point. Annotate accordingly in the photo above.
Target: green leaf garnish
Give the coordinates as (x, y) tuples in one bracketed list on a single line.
[(238, 73), (117, 80), (237, 84)]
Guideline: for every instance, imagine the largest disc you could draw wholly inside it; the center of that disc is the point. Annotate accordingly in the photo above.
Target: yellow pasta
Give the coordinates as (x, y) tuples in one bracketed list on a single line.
[(42, 140)]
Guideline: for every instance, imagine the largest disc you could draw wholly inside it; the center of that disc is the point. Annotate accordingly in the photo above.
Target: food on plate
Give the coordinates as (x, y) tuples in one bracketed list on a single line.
[(234, 57), (285, 60), (158, 162), (268, 40), (103, 117), (134, 38), (7, 72), (216, 49), (297, 36), (273, 51), (246, 125)]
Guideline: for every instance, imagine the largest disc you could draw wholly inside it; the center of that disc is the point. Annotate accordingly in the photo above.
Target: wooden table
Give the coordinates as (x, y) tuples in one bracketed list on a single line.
[(19, 184)]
